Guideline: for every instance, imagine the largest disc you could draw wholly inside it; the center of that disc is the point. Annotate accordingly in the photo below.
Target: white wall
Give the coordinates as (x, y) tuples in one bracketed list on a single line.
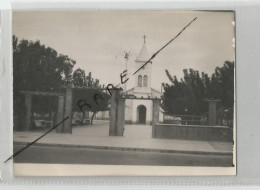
[(128, 109)]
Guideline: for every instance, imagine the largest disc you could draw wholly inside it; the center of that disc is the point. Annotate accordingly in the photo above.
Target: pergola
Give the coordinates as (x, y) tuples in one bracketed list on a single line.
[(64, 106), (28, 104)]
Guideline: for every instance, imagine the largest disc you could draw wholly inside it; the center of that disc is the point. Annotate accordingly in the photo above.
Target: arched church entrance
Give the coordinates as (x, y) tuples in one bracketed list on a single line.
[(141, 113)]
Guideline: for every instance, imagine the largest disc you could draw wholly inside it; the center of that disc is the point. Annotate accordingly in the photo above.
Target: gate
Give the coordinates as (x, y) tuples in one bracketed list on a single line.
[(117, 116)]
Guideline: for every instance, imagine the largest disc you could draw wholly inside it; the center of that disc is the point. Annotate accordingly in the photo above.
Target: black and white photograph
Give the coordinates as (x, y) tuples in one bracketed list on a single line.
[(112, 92)]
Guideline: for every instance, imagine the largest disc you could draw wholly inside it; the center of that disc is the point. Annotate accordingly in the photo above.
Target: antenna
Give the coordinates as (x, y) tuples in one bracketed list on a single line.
[(127, 54)]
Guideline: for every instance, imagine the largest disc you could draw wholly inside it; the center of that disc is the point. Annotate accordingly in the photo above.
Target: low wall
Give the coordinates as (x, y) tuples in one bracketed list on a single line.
[(193, 132), (130, 122)]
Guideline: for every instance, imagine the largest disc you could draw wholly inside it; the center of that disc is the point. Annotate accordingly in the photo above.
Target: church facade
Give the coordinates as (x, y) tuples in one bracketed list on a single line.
[(138, 111)]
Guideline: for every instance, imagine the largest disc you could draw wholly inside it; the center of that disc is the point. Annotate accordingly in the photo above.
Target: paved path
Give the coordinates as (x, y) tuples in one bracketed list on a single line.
[(136, 137)]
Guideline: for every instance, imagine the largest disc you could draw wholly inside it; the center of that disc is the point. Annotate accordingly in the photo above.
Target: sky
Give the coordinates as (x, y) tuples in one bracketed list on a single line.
[(96, 40)]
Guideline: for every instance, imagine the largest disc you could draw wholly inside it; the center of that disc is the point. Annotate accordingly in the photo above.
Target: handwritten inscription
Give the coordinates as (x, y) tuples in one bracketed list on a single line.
[(97, 97), (82, 103), (122, 76)]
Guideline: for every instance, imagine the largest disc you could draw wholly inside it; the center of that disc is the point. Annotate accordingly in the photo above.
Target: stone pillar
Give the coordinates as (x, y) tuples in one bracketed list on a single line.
[(67, 125), (28, 105), (117, 115), (120, 124), (113, 112), (60, 113), (212, 112), (155, 119)]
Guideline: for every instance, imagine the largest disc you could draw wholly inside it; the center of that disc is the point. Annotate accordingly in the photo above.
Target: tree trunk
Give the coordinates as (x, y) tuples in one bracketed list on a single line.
[(72, 114), (92, 117), (87, 114), (83, 117), (182, 120)]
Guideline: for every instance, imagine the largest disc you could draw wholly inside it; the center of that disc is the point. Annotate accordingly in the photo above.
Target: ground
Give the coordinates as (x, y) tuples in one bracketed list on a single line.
[(43, 154), (91, 144)]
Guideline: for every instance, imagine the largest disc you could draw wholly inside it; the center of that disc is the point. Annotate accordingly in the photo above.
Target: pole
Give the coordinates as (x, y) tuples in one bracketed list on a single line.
[(126, 70)]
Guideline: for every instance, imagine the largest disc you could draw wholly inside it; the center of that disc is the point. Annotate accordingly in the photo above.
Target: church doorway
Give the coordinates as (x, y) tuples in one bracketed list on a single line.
[(141, 112)]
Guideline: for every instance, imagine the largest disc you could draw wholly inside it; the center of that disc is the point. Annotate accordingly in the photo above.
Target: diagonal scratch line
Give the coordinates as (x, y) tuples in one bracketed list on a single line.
[(154, 55), (15, 154)]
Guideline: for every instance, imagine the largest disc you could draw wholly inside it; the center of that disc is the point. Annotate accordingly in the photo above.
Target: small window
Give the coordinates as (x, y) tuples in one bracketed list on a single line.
[(140, 81), (145, 80)]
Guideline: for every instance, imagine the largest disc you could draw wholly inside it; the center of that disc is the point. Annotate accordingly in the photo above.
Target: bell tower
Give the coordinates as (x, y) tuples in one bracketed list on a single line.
[(143, 76)]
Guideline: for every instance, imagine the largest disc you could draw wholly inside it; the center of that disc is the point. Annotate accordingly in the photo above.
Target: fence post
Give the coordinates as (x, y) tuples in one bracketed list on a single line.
[(67, 127), (213, 111), (120, 124), (28, 105), (155, 119), (113, 112), (60, 113)]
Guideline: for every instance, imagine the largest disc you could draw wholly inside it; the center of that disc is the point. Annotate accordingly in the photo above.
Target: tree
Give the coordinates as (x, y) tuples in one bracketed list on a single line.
[(91, 82), (79, 78), (225, 90), (187, 96), (225, 84), (90, 99), (87, 96), (38, 68)]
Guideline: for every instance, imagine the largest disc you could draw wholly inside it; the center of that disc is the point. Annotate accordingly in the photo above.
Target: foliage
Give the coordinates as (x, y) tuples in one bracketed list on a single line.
[(88, 99), (39, 68), (93, 100), (188, 95), (79, 79)]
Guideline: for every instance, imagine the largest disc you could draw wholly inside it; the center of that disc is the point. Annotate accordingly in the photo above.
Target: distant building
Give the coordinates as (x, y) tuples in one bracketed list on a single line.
[(104, 115)]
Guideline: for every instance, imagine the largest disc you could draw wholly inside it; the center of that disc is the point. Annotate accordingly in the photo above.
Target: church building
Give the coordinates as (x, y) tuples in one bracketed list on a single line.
[(138, 111)]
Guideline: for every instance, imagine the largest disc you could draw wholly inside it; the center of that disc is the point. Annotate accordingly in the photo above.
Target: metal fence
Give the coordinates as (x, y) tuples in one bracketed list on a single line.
[(196, 120), (185, 119)]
